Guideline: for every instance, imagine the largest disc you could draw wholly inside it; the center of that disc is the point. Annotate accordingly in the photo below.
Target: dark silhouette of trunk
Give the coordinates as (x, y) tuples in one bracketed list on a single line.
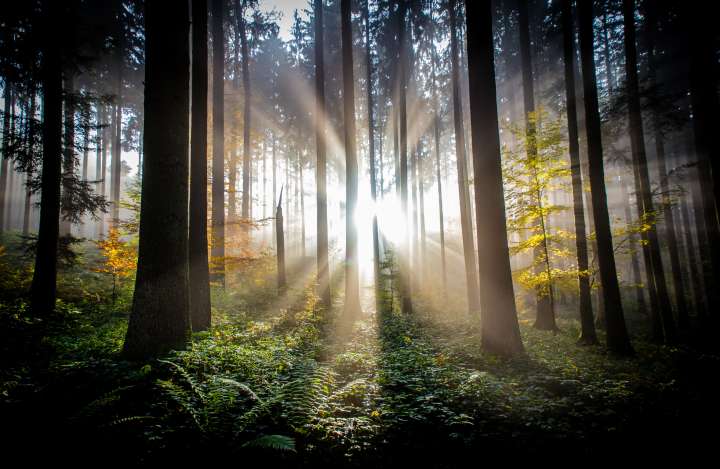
[(617, 337), (218, 145), (545, 314), (30, 135), (117, 142), (705, 110), (640, 161), (160, 317), (438, 175), (500, 330), (405, 275), (86, 139), (246, 113), (69, 153), (421, 202), (280, 241), (7, 119), (323, 266), (199, 270), (352, 288), (588, 335), (464, 196), (44, 286), (669, 218), (274, 179), (371, 151), (303, 252), (693, 262)]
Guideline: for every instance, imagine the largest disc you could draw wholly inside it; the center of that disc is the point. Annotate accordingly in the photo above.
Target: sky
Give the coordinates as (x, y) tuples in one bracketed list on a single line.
[(286, 7)]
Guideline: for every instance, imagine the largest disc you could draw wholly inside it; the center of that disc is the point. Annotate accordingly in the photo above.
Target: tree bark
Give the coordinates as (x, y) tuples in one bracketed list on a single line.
[(500, 330), (160, 318), (199, 283), (464, 196), (588, 335), (218, 157), (618, 340), (405, 275)]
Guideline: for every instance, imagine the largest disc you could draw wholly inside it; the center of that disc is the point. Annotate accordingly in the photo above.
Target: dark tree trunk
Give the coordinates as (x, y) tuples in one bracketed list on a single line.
[(352, 288), (405, 275), (280, 241), (438, 175), (117, 143), (246, 114), (323, 267), (160, 318), (587, 332), (545, 314), (218, 157), (371, 151), (500, 330), (69, 154), (640, 160), (617, 337), (44, 288), (198, 244), (705, 110), (463, 192), (7, 98)]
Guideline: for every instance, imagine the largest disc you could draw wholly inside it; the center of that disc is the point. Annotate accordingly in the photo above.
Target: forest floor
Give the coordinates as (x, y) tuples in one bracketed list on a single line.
[(280, 382)]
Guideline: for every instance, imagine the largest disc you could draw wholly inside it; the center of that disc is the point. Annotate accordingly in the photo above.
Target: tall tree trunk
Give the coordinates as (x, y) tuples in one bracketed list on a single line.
[(117, 143), (199, 279), (352, 288), (246, 114), (500, 330), (405, 275), (465, 215), (618, 340), (274, 181), (371, 152), (103, 169), (705, 111), (640, 160), (160, 317), (69, 154), (218, 158), (44, 286), (323, 267), (692, 260), (8, 110), (27, 212), (545, 314), (436, 129), (588, 335)]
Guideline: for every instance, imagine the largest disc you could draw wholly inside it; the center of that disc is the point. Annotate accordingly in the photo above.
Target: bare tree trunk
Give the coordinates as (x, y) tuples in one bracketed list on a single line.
[(405, 275), (500, 330), (160, 317), (199, 275), (218, 158), (436, 128)]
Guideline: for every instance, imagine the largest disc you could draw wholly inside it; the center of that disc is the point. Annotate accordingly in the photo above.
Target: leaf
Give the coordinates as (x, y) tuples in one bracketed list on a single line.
[(274, 442)]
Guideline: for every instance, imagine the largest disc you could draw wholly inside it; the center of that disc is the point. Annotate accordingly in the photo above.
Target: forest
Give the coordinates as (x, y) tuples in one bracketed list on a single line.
[(358, 233)]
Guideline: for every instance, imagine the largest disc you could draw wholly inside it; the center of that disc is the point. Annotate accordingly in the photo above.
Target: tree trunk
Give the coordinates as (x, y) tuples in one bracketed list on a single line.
[(280, 240), (464, 196), (352, 288), (500, 330), (218, 146), (588, 336), (44, 287), (246, 115), (69, 156), (117, 143), (8, 110), (617, 338), (640, 160), (160, 317), (199, 279), (323, 268), (405, 275), (436, 128)]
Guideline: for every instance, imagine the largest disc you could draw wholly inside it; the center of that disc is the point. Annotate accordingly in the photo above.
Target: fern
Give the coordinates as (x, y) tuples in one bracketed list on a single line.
[(273, 442)]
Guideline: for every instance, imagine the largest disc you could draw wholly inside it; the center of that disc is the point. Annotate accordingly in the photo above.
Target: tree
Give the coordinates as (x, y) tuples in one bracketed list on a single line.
[(44, 284), (588, 335), (199, 278), (240, 12), (352, 288), (617, 338), (637, 138), (160, 317), (405, 276), (500, 330), (464, 196), (218, 145), (323, 266), (120, 259)]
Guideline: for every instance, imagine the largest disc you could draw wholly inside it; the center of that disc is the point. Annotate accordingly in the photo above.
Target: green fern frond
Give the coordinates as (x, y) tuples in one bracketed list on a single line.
[(273, 442)]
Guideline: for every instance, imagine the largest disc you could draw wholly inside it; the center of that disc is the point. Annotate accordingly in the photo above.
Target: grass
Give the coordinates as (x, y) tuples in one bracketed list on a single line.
[(280, 382)]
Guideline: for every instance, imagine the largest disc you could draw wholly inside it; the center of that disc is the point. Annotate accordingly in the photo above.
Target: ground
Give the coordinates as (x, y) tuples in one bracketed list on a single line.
[(280, 381)]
